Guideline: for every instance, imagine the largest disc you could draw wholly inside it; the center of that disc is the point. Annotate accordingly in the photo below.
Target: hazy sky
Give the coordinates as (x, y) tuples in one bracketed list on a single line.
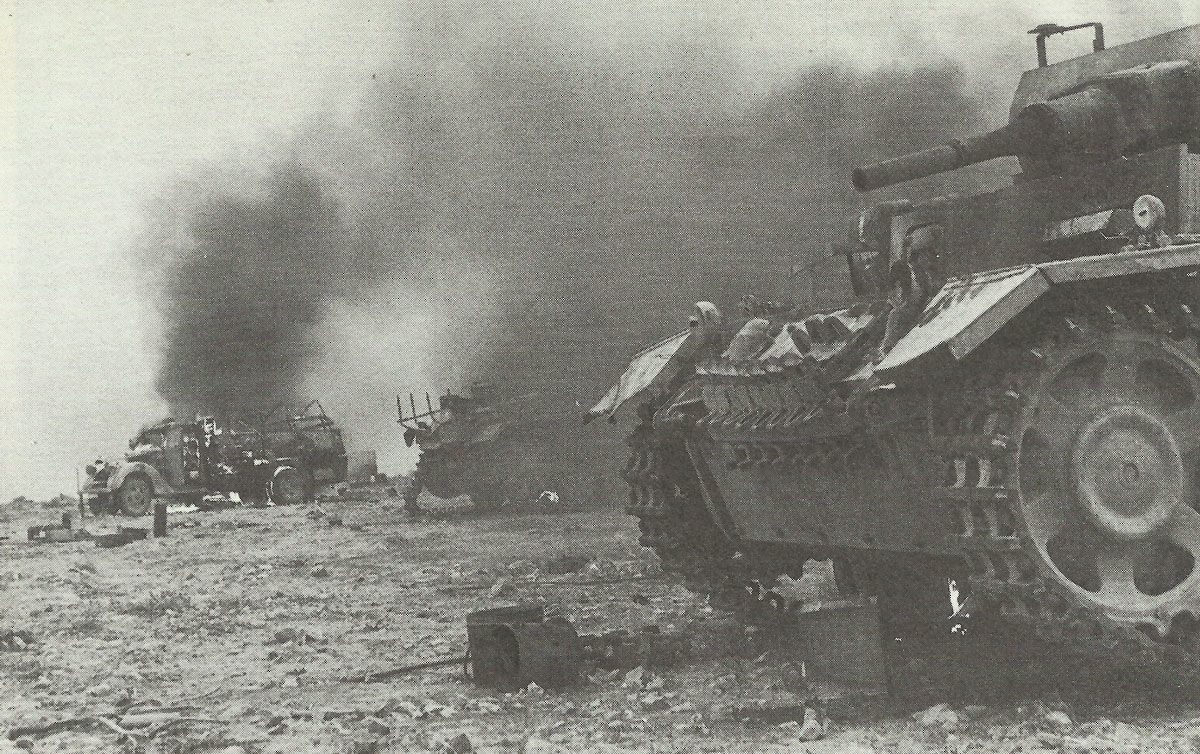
[(112, 100), (104, 103)]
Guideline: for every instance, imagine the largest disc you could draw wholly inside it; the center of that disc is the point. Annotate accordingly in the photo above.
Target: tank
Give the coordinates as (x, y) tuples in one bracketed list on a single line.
[(1007, 416), (501, 449)]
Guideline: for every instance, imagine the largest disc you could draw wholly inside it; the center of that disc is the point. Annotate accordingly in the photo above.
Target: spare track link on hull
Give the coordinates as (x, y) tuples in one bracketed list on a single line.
[(977, 430), (665, 497)]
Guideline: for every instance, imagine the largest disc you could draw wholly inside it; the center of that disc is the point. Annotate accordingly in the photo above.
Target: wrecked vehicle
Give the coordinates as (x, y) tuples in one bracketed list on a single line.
[(309, 436), (281, 461), (497, 449), (1012, 404)]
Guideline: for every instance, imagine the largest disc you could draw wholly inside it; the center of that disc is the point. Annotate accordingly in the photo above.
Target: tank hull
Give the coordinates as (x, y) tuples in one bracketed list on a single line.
[(851, 490)]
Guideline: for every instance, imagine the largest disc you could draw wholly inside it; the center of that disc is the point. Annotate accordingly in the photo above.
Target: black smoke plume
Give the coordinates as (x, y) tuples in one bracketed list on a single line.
[(248, 276), (550, 206)]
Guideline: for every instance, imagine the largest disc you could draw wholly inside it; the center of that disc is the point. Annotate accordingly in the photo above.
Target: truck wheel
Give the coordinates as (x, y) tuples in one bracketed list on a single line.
[(288, 486), (135, 495)]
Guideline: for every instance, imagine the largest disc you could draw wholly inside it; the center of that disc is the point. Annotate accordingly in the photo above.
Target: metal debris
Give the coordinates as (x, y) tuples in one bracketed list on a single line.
[(124, 536), (511, 647), (16, 641)]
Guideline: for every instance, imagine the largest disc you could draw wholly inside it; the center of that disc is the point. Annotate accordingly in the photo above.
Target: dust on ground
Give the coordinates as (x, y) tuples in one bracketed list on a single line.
[(242, 625)]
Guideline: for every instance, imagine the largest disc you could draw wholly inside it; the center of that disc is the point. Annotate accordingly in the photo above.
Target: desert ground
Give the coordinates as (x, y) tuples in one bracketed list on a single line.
[(249, 630)]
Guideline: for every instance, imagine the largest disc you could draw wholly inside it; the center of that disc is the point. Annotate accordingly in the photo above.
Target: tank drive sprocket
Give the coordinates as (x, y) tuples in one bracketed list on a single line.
[(1070, 467)]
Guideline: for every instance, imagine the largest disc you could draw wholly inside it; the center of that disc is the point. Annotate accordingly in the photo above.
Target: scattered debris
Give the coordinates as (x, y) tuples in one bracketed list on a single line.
[(511, 647), (56, 533), (937, 716), (459, 744), (384, 675), (297, 636), (559, 582), (16, 641), (564, 564), (136, 725), (542, 746), (650, 647), (772, 715), (123, 537)]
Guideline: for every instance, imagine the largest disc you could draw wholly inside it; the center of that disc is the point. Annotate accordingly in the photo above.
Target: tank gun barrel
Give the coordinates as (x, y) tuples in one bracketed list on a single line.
[(939, 159), (1134, 109)]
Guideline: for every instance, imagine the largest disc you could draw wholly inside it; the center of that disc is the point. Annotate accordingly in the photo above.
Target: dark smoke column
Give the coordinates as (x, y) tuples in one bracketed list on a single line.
[(246, 280)]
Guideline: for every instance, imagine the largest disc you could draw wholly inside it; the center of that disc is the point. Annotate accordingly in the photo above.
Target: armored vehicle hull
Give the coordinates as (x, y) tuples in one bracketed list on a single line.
[(500, 451), (1013, 406)]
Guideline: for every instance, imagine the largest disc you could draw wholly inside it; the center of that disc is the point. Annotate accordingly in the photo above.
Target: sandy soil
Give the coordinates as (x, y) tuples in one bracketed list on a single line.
[(236, 632)]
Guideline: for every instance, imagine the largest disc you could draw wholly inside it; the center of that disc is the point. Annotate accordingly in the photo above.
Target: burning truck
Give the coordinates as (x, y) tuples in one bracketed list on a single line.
[(278, 457)]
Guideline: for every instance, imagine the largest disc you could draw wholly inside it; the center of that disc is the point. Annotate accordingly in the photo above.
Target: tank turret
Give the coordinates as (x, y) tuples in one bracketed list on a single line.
[(1133, 110)]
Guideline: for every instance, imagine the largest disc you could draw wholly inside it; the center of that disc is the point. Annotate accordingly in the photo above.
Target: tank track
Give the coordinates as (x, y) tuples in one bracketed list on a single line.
[(976, 438), (671, 517), (665, 498)]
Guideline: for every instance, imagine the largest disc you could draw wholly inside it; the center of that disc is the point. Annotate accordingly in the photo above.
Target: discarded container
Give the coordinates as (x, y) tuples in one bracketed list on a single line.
[(650, 648), (53, 533), (843, 648), (511, 647)]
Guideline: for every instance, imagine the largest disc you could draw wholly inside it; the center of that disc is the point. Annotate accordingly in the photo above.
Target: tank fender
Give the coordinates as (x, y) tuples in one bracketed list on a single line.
[(969, 310), (161, 486), (661, 364)]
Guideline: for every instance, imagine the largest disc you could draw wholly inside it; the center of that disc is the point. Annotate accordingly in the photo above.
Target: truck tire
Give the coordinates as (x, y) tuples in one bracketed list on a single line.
[(135, 496), (288, 486)]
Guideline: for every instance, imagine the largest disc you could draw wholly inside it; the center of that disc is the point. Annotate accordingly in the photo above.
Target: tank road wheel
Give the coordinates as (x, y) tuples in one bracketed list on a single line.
[(1106, 458), (1083, 472), (135, 496), (288, 486), (436, 475)]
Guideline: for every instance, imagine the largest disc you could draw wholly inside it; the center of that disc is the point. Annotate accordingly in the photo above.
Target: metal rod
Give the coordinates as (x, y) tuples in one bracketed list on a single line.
[(403, 669), (79, 494)]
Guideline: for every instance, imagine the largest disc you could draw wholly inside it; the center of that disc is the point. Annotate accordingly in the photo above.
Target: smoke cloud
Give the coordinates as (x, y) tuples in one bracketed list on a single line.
[(516, 205), (248, 276)]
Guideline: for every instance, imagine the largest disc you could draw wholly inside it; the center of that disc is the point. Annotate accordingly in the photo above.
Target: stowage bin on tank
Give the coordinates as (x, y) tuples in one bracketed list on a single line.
[(1013, 402)]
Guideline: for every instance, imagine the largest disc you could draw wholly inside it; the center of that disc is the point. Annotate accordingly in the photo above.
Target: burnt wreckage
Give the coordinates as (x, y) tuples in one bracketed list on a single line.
[(278, 456), (1012, 404), (494, 448)]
